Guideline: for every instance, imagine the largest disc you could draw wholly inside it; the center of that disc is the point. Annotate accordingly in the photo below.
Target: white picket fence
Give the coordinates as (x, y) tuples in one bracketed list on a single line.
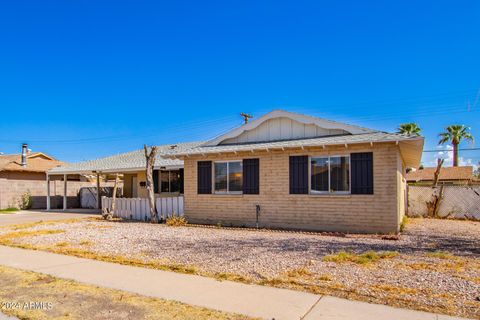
[(139, 208)]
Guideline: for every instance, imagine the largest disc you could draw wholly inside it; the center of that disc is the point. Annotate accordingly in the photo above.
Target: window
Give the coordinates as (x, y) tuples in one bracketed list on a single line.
[(330, 174), (228, 177), (170, 181)]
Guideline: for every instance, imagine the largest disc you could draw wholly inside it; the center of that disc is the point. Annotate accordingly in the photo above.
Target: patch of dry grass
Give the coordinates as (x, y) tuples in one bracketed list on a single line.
[(86, 243), (62, 244), (28, 225), (394, 289), (363, 258), (442, 255), (176, 221), (64, 299), (7, 238)]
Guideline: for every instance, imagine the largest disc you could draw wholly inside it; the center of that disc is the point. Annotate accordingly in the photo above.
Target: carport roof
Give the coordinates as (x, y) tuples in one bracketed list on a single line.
[(126, 162)]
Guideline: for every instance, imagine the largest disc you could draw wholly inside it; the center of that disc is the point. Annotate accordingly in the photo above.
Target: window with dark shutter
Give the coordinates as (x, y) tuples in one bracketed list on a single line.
[(298, 175), (362, 172), (155, 181), (251, 176), (204, 177)]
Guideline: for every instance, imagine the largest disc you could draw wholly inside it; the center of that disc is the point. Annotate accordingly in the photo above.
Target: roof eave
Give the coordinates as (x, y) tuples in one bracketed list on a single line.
[(418, 142)]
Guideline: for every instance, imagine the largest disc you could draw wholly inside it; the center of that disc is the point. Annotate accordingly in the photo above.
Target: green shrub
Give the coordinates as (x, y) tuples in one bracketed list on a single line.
[(404, 223), (25, 201)]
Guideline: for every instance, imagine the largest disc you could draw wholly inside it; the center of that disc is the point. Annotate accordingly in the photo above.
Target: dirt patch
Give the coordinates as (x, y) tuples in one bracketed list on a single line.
[(30, 295)]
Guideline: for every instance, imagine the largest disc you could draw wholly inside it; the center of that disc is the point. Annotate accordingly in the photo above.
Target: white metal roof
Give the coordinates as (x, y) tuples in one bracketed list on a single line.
[(410, 146), (126, 162)]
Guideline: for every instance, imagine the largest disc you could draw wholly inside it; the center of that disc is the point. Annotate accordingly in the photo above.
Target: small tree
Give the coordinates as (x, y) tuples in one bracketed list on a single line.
[(411, 129), (150, 163), (455, 134), (434, 204)]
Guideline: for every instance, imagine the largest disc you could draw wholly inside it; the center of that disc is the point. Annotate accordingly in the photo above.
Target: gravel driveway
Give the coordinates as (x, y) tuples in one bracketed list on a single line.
[(415, 278)]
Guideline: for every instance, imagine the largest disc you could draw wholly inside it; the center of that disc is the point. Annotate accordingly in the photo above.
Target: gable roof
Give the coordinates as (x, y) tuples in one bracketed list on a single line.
[(304, 119), (410, 146), (126, 162), (36, 162), (446, 173)]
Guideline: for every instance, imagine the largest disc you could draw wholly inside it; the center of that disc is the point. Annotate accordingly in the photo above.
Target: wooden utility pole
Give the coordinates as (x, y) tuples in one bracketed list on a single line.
[(150, 163), (246, 117)]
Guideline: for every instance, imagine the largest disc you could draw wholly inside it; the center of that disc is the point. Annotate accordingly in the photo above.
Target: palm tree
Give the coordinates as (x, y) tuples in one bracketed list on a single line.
[(455, 134), (411, 129)]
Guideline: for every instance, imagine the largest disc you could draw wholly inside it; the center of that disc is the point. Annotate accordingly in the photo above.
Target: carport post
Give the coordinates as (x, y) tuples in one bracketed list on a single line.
[(48, 192), (99, 199), (64, 192)]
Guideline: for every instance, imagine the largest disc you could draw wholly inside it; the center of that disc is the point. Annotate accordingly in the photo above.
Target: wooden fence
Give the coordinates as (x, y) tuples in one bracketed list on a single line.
[(139, 208)]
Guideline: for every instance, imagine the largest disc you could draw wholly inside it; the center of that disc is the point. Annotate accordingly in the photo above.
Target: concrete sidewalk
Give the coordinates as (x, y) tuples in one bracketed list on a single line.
[(252, 300)]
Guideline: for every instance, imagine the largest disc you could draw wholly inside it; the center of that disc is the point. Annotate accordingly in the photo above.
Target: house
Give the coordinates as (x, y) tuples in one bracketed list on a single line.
[(291, 171), (448, 176), (283, 170), (22, 173)]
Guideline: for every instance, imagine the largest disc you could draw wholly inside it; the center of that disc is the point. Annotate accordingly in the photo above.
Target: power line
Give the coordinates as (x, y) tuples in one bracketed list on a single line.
[(445, 150)]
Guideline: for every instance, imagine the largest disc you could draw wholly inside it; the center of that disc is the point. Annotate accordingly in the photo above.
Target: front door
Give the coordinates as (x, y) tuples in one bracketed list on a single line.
[(134, 187)]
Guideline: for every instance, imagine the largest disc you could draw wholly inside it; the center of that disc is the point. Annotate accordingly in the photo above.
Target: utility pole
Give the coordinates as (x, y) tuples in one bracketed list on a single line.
[(246, 116)]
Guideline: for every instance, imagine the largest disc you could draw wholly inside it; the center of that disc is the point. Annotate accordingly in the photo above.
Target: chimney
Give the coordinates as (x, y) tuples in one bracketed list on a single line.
[(24, 154)]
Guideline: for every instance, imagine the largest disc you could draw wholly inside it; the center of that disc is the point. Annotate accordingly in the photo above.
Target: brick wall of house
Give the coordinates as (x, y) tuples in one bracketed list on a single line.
[(380, 212), (13, 185)]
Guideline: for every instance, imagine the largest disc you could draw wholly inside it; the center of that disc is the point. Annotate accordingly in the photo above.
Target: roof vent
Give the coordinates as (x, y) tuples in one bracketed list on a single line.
[(24, 154)]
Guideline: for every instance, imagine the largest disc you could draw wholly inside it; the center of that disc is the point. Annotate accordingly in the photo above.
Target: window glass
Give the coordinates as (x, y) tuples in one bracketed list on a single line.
[(175, 181), (339, 173), (319, 172), (221, 176), (235, 176), (164, 181)]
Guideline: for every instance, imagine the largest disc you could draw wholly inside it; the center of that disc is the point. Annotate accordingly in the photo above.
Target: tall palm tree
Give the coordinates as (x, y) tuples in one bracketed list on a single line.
[(455, 134), (411, 129)]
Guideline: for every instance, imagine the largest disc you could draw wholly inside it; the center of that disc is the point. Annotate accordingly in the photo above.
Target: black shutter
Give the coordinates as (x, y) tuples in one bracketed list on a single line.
[(180, 173), (251, 176), (299, 175), (155, 181), (204, 177), (362, 172)]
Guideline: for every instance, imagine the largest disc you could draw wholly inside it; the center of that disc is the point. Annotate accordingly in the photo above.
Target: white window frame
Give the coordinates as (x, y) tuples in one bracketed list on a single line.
[(228, 178), (329, 182)]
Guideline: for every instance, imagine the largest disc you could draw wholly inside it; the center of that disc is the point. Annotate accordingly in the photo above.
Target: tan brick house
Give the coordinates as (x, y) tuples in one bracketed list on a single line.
[(291, 171), (20, 174)]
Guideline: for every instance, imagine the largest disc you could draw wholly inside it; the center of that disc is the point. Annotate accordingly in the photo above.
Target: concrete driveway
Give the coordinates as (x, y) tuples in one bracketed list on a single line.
[(40, 215)]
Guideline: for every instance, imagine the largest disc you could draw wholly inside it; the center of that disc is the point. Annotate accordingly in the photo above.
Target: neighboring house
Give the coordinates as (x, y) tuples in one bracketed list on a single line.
[(21, 174), (448, 176), (282, 170), (26, 172)]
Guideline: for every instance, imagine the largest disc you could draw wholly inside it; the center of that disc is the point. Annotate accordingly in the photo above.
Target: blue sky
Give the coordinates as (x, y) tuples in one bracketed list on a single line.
[(86, 79)]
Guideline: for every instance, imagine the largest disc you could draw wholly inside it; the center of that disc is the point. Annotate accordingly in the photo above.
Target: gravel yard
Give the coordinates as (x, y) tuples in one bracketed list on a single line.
[(435, 264)]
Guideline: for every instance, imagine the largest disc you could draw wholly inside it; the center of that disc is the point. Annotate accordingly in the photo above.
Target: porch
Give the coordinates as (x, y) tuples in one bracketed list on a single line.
[(131, 191)]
